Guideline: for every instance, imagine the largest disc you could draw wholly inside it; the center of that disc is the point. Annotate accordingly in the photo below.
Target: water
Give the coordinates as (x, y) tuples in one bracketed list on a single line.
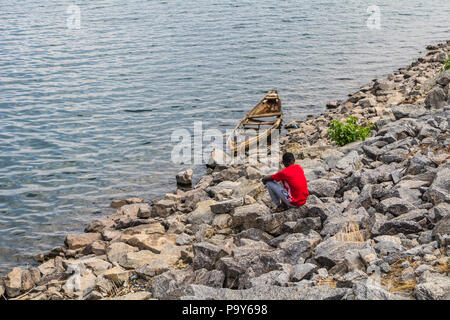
[(86, 114)]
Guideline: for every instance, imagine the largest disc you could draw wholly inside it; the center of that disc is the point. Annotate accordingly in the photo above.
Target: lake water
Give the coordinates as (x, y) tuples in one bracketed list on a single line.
[(86, 114)]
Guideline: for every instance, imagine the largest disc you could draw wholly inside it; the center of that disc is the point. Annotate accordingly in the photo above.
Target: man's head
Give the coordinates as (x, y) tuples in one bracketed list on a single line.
[(288, 159)]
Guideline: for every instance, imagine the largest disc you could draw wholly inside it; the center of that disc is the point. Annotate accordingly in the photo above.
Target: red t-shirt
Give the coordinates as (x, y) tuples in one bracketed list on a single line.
[(294, 181)]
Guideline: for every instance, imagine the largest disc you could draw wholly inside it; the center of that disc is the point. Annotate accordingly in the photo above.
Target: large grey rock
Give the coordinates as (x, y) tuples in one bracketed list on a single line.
[(246, 216), (436, 98), (258, 256), (192, 197), (369, 290), (322, 188), (272, 278), (443, 78), (299, 246), (442, 228), (13, 282), (348, 163), (184, 178), (395, 227), (117, 252), (302, 271), (254, 234), (395, 206), (202, 213), (433, 287), (226, 206), (152, 268), (332, 252), (439, 190), (419, 164), (168, 281), (163, 208), (76, 241), (205, 255), (265, 292), (338, 222)]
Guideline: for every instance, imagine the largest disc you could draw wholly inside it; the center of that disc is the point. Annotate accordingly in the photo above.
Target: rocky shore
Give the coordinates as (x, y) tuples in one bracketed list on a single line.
[(376, 224)]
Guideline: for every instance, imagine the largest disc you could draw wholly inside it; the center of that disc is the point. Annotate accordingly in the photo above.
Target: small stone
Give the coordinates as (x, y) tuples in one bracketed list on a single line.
[(302, 271), (226, 206), (184, 178), (76, 241), (117, 275), (408, 274), (13, 282), (184, 239)]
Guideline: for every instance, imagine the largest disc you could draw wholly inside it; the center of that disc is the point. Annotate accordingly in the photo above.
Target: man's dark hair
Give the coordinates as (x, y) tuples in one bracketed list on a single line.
[(288, 157)]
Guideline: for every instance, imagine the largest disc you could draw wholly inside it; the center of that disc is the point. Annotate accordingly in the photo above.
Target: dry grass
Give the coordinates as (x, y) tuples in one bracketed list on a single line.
[(412, 153), (350, 233)]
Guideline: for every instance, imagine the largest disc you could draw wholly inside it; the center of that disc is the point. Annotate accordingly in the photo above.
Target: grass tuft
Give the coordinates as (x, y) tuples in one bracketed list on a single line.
[(350, 233)]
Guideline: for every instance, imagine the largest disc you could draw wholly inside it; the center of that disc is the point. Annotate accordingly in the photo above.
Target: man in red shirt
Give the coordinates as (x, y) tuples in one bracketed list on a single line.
[(294, 191)]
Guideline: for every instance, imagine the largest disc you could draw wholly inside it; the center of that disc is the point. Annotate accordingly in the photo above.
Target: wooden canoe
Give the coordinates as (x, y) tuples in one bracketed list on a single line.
[(258, 124)]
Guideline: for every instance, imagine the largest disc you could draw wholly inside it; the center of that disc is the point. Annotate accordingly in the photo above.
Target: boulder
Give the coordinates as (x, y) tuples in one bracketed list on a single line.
[(439, 190), (302, 271), (140, 295), (217, 157), (152, 242), (117, 275), (184, 239), (99, 225), (132, 210), (184, 178), (298, 246), (163, 208), (433, 287), (226, 206), (202, 213), (436, 98), (76, 241), (369, 290), (332, 252), (348, 163), (13, 282), (263, 292), (205, 255), (81, 284), (395, 206), (136, 259), (245, 216), (272, 278), (442, 228), (153, 268), (322, 188), (117, 252), (97, 247), (395, 227)]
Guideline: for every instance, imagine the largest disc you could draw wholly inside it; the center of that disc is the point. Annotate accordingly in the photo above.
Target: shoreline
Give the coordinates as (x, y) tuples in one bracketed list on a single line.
[(200, 243)]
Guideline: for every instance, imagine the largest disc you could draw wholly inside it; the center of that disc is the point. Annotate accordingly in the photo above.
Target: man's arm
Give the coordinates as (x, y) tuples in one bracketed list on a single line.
[(267, 179)]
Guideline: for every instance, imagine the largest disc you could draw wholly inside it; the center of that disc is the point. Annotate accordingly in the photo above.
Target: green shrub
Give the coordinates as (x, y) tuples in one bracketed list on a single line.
[(446, 65), (348, 131)]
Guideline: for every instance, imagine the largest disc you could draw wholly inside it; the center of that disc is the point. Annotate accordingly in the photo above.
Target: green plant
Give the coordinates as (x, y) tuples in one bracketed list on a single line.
[(446, 65), (348, 131)]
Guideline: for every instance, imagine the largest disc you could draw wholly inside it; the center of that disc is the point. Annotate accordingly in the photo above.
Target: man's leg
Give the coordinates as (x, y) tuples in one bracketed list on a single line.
[(274, 192), (278, 193)]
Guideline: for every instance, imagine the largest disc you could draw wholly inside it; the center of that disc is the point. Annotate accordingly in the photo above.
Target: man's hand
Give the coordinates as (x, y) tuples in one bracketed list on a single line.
[(266, 179)]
